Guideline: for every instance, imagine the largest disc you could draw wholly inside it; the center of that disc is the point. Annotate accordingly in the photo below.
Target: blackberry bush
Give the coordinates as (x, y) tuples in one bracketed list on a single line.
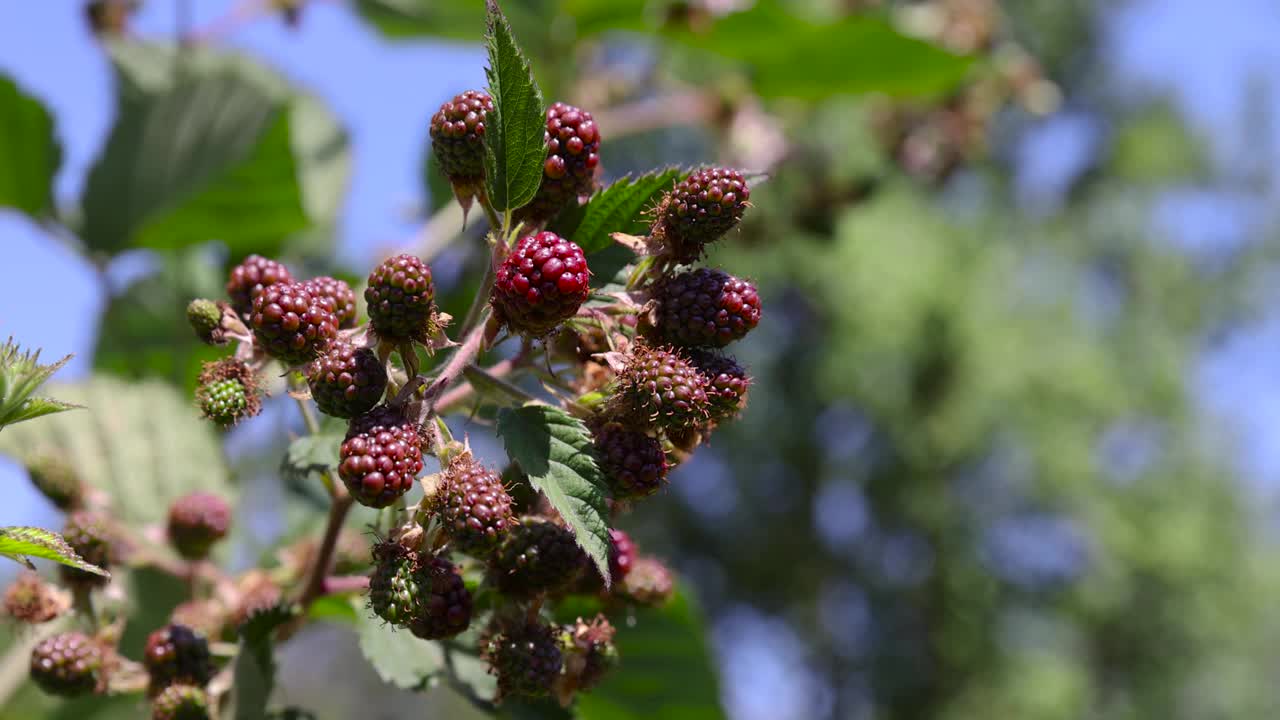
[(633, 462)]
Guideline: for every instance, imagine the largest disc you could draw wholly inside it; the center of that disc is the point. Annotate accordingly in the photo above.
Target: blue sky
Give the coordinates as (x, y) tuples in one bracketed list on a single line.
[(1214, 58)]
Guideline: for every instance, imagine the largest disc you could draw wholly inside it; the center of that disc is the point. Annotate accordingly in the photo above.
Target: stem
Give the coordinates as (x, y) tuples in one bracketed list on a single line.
[(462, 357), (345, 584), (494, 223), (455, 396), (481, 377), (315, 586), (313, 427), (481, 300)]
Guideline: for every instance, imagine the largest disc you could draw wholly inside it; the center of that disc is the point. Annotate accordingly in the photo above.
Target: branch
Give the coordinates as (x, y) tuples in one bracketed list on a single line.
[(462, 357), (315, 586)]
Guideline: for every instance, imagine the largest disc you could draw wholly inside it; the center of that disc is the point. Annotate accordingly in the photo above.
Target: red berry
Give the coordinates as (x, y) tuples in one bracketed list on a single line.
[(340, 294), (474, 506), (657, 385), (380, 458), (573, 152), (457, 136), (196, 522), (700, 210), (650, 582), (542, 283), (250, 277), (401, 298), (622, 554), (291, 324), (634, 463), (706, 307), (346, 381), (727, 383)]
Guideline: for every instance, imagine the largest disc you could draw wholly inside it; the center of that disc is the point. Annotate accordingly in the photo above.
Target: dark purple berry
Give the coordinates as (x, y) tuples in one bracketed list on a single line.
[(196, 522), (177, 654), (727, 383), (537, 556), (542, 283), (69, 664), (291, 324), (380, 458), (573, 153), (705, 307), (346, 381), (633, 462), (526, 658), (473, 504), (700, 210), (250, 277), (400, 299), (657, 385)]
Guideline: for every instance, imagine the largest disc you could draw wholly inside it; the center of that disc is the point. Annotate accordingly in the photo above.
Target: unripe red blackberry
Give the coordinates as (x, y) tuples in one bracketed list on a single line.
[(400, 299), (69, 664), (634, 463), (473, 504), (650, 582), (87, 534), (537, 556), (197, 521), (32, 601), (205, 318), (339, 294), (526, 658), (177, 654), (346, 381), (622, 554), (380, 458), (457, 138), (727, 383), (542, 283), (700, 210), (250, 277), (706, 307), (421, 592), (56, 479), (181, 702), (228, 392), (657, 385), (573, 152), (589, 653), (291, 324)]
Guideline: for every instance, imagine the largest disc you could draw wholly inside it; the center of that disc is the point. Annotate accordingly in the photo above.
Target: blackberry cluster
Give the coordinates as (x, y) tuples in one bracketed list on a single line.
[(706, 308), (542, 283), (87, 534), (69, 664), (473, 504), (633, 462), (196, 522), (700, 210), (457, 140), (401, 299), (659, 386), (346, 381), (380, 458), (418, 591), (573, 153), (537, 556), (291, 324), (250, 278), (181, 702), (526, 658), (338, 294), (177, 654)]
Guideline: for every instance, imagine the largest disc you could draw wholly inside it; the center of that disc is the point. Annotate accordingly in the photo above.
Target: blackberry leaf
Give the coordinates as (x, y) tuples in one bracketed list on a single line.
[(515, 145)]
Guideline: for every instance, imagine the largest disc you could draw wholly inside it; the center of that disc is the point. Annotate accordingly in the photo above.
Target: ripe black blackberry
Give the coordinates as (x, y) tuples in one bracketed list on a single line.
[(197, 521), (346, 381), (291, 324), (181, 702), (706, 307), (177, 654), (457, 140), (421, 592), (56, 479), (657, 385), (727, 383), (380, 458), (250, 277), (542, 283), (69, 664), (87, 534), (526, 658), (649, 583), (400, 299), (700, 210), (339, 294), (473, 504), (537, 556), (228, 392), (573, 153), (633, 462)]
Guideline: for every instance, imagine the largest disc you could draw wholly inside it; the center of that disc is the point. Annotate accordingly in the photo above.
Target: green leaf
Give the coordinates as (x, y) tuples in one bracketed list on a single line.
[(666, 670), (255, 668), (29, 152), (334, 609), (851, 54), (21, 543), (312, 454), (621, 207), (556, 451), (140, 443), (21, 374), (398, 657), (456, 19), (515, 148)]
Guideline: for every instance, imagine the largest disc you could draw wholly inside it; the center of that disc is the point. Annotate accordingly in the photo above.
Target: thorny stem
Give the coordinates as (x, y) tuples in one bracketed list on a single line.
[(315, 586), (313, 427), (462, 357), (452, 398), (480, 376)]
